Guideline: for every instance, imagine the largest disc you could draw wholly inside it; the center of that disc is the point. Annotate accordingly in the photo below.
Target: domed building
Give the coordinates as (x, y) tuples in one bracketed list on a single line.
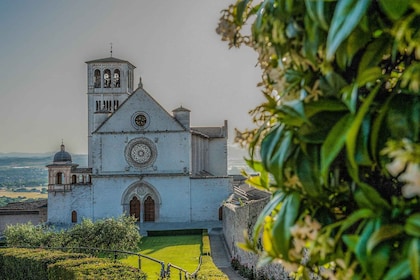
[(62, 156), (64, 176), (142, 160)]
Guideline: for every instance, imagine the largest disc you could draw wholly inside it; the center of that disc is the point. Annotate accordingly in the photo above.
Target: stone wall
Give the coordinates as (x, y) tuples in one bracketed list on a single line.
[(240, 218), (22, 213)]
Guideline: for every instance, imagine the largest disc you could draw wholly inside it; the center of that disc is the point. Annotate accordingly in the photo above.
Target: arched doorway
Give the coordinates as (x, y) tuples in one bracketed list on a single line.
[(142, 201), (149, 209), (135, 208)]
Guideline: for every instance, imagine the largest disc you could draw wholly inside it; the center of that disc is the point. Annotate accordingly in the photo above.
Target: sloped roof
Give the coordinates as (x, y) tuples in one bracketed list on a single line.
[(25, 205)]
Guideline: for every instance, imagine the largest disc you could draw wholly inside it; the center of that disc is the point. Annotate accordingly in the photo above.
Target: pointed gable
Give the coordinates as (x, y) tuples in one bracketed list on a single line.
[(140, 113)]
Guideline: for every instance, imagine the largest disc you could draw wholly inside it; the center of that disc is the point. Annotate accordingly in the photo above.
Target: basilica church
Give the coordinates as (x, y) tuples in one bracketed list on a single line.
[(142, 160)]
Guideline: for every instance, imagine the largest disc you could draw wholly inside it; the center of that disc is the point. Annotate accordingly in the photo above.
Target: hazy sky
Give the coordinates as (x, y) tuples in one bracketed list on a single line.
[(182, 61)]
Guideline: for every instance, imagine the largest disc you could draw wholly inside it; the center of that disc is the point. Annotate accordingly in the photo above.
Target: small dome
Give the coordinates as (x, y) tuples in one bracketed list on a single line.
[(62, 156)]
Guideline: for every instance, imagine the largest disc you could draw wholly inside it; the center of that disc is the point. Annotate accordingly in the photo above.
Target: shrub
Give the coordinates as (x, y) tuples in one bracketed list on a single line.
[(26, 235), (209, 270), (34, 264), (29, 263), (93, 268), (111, 234), (338, 138), (205, 249)]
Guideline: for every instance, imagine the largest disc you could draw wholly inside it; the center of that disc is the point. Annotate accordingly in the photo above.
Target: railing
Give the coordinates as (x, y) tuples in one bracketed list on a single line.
[(59, 188), (164, 273)]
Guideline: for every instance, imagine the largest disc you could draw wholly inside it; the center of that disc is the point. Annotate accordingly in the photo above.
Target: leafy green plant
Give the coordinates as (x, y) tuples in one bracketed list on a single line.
[(19, 263), (110, 234), (337, 142)]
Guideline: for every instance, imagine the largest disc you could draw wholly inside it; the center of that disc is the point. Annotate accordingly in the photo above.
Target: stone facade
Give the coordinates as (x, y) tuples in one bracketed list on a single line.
[(143, 161), (240, 214)]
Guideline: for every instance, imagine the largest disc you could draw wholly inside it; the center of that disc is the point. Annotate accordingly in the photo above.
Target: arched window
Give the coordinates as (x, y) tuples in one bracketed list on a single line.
[(116, 78), (97, 78), (59, 178), (107, 78), (135, 208), (149, 209), (73, 179), (73, 216), (220, 213)]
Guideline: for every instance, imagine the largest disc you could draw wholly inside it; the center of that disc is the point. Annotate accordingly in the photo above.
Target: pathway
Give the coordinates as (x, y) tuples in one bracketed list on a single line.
[(220, 254)]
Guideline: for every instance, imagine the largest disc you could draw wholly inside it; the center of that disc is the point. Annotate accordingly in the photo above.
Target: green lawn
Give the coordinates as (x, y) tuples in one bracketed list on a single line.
[(182, 250)]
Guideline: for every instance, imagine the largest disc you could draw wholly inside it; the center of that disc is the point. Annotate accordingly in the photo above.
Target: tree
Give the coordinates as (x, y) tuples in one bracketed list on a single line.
[(337, 142), (119, 233)]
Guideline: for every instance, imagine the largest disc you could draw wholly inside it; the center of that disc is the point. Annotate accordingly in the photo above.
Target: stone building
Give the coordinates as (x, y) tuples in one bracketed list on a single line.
[(142, 160), (23, 212)]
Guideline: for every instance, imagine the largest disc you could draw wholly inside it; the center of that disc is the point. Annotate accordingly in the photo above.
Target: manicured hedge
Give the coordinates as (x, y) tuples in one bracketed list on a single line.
[(205, 249), (208, 270), (34, 264)]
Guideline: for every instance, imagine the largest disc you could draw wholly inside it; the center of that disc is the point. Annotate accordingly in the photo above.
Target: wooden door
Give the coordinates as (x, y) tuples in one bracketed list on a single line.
[(149, 209), (135, 208)]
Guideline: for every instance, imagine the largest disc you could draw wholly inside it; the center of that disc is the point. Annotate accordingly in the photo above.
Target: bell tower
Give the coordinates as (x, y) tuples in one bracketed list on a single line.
[(110, 83)]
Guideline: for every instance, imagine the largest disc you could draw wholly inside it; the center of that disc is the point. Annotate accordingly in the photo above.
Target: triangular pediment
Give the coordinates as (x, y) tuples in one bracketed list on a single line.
[(140, 113)]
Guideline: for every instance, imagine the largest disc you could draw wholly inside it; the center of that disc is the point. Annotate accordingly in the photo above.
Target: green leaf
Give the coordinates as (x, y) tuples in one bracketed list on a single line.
[(240, 8), (319, 126), (384, 233), (394, 9), (368, 197), (349, 96), (256, 27), (311, 41), (361, 247), (399, 271), (270, 143), (307, 168), (347, 16), (332, 105), (378, 261), (274, 203), (282, 148), (377, 139), (332, 84), (351, 241), (283, 221), (362, 152), (334, 142), (369, 75), (317, 12), (355, 217), (354, 130), (369, 70), (414, 256), (412, 225), (292, 113), (350, 47)]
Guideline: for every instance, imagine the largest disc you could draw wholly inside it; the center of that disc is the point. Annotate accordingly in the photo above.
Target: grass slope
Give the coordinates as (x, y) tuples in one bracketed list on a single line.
[(182, 250)]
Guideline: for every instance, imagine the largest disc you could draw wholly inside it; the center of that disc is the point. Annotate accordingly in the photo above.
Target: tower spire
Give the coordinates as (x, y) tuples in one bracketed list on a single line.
[(111, 49)]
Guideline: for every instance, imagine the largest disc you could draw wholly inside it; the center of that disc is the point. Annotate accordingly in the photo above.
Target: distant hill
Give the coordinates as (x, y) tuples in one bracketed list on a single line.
[(28, 170)]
